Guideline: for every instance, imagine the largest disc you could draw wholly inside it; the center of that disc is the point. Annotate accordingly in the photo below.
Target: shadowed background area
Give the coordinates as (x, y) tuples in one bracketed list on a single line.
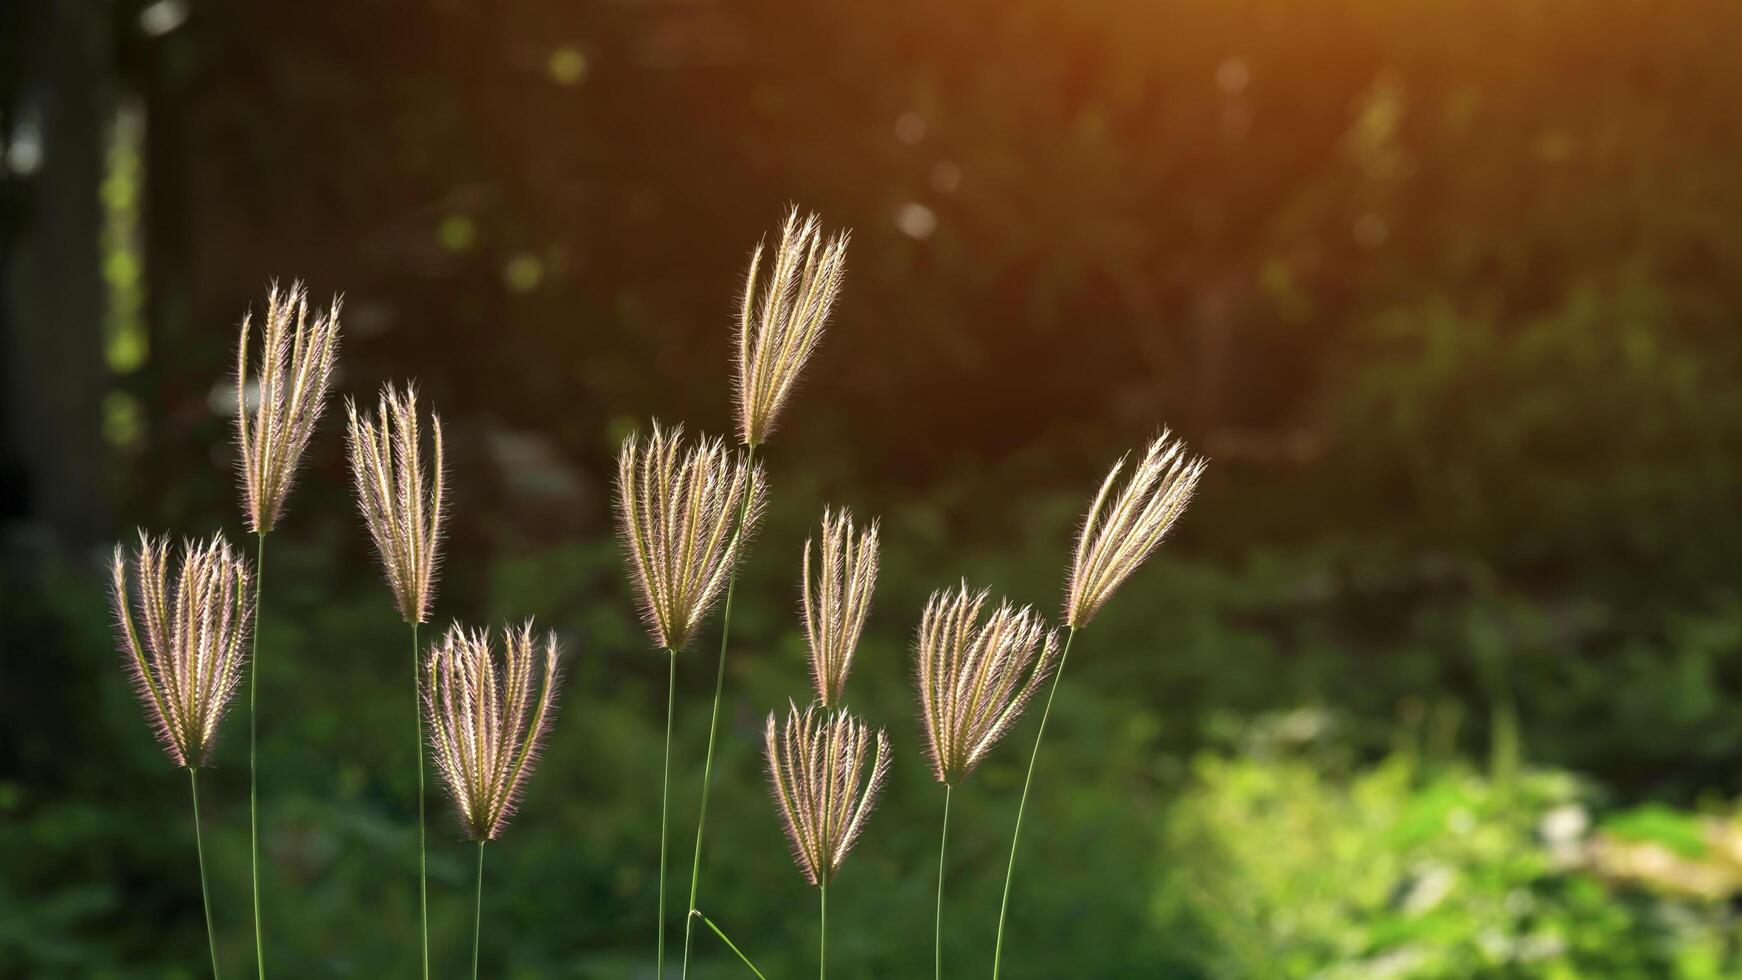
[(1440, 676)]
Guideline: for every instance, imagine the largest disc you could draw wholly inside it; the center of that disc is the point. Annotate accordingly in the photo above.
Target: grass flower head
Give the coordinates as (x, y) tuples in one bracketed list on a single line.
[(821, 785), (837, 600), (295, 368), (975, 677), (185, 651), (401, 502), (1121, 531), (677, 506), (778, 332), (487, 718)]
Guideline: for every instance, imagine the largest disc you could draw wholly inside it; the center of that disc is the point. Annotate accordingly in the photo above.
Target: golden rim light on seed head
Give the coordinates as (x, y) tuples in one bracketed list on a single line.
[(185, 650), (821, 784), (400, 501), (1120, 533), (487, 718), (837, 599), (677, 512), (295, 368), (778, 331), (975, 676)]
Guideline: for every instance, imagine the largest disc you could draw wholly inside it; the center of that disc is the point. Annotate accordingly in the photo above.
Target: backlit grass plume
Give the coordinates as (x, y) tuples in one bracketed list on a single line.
[(778, 331), (975, 677), (185, 650), (290, 392), (676, 510), (487, 719), (185, 653), (823, 790), (837, 599), (684, 513), (402, 507), (401, 501), (1117, 536), (296, 365)]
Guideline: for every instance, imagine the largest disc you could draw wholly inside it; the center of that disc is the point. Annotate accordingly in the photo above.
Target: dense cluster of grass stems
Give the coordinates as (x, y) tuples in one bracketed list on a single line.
[(687, 510)]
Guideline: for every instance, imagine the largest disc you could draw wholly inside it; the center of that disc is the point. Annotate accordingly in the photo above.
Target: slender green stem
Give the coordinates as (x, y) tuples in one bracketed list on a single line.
[(714, 727), (697, 914), (823, 934), (253, 767), (664, 808), (478, 911), (1010, 872), (938, 928), (205, 893), (422, 846)]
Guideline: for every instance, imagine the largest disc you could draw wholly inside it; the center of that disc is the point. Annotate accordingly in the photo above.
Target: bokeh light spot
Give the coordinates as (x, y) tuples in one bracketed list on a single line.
[(567, 65), (915, 220), (946, 176), (1232, 75), (523, 273), (457, 232), (910, 128)]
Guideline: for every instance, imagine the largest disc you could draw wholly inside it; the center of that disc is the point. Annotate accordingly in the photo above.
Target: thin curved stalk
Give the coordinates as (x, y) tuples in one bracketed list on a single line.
[(253, 767), (938, 927), (1010, 872), (422, 846), (697, 914), (664, 806), (478, 911), (823, 935), (205, 892), (714, 726)]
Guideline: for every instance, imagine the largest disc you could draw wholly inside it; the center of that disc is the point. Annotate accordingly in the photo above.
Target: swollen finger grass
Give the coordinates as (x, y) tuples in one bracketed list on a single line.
[(974, 678), (488, 717), (684, 513), (1118, 534), (823, 791), (184, 654), (402, 507), (288, 397), (837, 600)]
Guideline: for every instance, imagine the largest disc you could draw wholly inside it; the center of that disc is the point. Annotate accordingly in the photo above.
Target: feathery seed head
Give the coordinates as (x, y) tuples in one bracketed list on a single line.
[(777, 335), (837, 601), (295, 368), (677, 510), (401, 503), (1119, 534), (975, 677), (487, 719), (816, 764), (185, 653)]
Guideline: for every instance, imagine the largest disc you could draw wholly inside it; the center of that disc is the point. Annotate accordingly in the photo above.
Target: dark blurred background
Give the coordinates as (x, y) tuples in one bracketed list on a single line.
[(1441, 676)]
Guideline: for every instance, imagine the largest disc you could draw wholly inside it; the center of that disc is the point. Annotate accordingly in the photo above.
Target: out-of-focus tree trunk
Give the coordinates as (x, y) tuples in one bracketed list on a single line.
[(51, 284)]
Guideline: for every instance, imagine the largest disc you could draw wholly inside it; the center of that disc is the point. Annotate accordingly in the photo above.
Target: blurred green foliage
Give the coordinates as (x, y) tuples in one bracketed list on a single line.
[(1448, 291)]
